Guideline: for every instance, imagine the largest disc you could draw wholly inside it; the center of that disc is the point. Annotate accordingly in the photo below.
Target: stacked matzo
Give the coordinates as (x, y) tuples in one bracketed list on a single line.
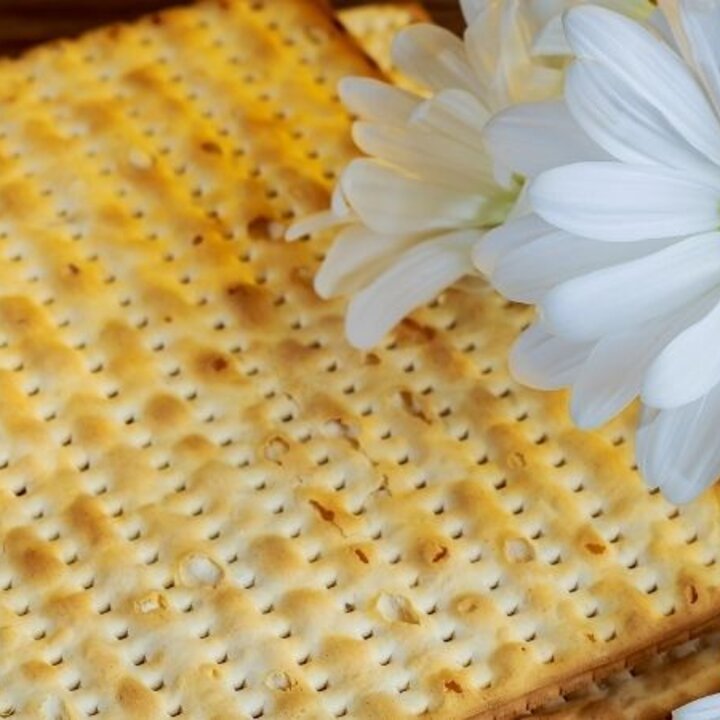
[(374, 28), (650, 691), (212, 507)]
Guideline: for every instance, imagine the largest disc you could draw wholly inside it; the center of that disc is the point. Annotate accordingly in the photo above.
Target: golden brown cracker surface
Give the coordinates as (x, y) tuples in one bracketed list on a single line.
[(374, 27), (211, 506)]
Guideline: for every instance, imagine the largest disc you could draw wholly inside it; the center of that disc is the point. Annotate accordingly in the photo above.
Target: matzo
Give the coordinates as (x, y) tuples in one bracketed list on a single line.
[(375, 26), (212, 507), (663, 683)]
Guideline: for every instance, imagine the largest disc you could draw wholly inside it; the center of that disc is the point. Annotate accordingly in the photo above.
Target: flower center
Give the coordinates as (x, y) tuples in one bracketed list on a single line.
[(498, 206)]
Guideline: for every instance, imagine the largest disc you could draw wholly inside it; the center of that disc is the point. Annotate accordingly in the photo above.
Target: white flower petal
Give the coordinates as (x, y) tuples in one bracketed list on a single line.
[(613, 374), (471, 9), (621, 202), (522, 206), (677, 450), (544, 361), (338, 203), (413, 280), (312, 224), (625, 123), (696, 26), (357, 256), (433, 57), (688, 367), (391, 203), (650, 68), (533, 137), (499, 47), (642, 10), (340, 213), (500, 241), (541, 12), (374, 100), (542, 83), (527, 273), (453, 114), (486, 47), (551, 39), (628, 295), (658, 21), (707, 708), (606, 384), (427, 155), (648, 416)]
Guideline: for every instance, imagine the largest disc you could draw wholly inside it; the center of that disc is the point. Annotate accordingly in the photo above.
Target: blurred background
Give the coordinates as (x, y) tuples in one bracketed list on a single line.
[(26, 22)]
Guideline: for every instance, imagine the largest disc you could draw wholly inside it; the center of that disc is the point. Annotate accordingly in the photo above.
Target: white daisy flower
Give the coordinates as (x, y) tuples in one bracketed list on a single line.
[(410, 214), (707, 708), (623, 256)]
